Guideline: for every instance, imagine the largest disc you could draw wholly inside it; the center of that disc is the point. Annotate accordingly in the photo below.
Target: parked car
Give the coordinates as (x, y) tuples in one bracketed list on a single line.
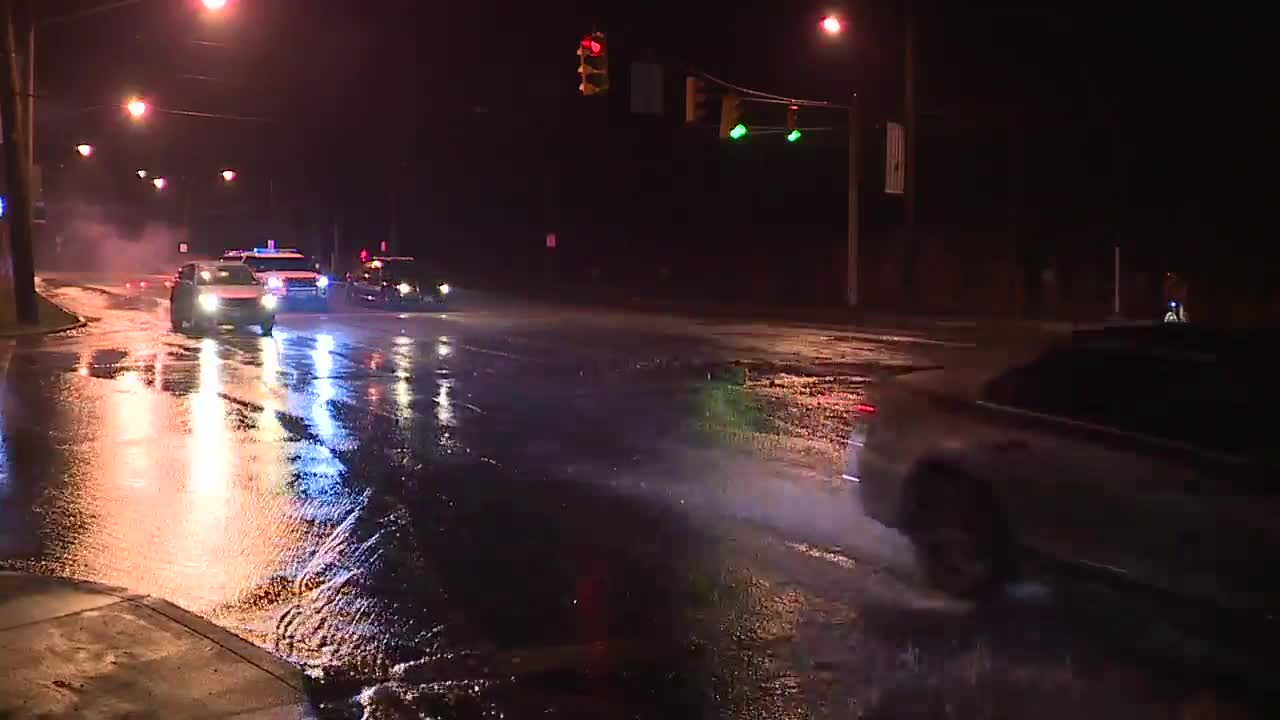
[(1143, 452)]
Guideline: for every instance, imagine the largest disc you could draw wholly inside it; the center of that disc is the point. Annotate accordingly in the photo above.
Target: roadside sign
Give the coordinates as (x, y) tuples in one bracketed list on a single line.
[(895, 167), (183, 248), (271, 244), (551, 241), (646, 88)]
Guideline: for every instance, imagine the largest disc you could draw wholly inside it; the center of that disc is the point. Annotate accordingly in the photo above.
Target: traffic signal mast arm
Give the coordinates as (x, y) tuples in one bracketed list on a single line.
[(764, 97)]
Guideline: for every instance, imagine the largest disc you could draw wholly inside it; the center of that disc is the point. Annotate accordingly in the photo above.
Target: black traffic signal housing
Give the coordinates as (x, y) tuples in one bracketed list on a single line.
[(593, 64), (731, 127), (695, 100), (793, 126)]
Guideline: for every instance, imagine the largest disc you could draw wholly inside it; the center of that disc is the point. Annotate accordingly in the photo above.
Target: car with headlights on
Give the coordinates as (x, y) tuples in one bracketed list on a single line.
[(287, 274), (398, 281), (206, 296), (1144, 454)]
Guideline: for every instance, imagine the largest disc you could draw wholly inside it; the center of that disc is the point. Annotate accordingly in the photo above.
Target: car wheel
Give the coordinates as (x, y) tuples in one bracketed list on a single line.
[(959, 538), (174, 322)]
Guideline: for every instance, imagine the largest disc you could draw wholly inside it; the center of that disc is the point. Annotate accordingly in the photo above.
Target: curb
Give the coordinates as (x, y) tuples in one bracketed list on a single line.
[(79, 322), (40, 331)]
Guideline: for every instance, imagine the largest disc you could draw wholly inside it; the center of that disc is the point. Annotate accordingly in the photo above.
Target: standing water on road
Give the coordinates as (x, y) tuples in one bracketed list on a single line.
[(505, 512)]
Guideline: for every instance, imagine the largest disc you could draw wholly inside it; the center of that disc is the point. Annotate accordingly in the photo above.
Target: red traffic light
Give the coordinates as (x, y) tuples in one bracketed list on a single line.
[(591, 45)]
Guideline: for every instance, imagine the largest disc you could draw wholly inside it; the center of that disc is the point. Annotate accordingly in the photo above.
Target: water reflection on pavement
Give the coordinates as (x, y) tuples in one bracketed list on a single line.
[(473, 514)]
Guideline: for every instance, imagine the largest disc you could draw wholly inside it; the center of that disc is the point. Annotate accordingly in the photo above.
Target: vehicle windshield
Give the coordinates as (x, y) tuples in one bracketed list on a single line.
[(227, 275), (276, 264)]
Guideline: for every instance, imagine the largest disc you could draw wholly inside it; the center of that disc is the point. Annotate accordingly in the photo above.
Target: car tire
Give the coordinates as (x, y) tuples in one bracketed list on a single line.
[(959, 537), (175, 323)]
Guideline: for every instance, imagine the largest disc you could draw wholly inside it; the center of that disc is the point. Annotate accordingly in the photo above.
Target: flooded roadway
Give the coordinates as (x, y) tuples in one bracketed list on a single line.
[(515, 511)]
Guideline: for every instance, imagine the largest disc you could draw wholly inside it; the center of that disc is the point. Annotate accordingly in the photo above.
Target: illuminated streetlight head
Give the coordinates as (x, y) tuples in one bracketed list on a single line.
[(137, 107), (85, 149), (228, 175), (832, 25), (142, 174), (160, 183), (214, 4)]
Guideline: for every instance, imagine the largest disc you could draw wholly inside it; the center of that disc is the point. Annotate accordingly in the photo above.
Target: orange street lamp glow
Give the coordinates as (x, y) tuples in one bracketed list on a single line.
[(85, 149), (831, 25), (137, 107), (228, 175), (160, 183)]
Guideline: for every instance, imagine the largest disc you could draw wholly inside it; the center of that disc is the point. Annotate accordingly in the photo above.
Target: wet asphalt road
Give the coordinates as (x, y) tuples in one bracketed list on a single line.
[(514, 510)]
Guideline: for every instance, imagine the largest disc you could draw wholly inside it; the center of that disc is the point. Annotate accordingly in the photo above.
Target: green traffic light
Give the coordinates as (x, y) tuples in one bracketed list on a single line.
[(793, 136), (737, 131)]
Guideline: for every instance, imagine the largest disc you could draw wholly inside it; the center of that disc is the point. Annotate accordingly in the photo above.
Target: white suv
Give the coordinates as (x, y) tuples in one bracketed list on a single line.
[(287, 274)]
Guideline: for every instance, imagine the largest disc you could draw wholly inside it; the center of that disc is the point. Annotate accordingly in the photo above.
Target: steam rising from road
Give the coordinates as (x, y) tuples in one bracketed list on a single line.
[(85, 237)]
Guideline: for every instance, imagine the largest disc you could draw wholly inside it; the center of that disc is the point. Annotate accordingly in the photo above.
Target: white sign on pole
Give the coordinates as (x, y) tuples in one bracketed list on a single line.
[(895, 159), (182, 248), (551, 241)]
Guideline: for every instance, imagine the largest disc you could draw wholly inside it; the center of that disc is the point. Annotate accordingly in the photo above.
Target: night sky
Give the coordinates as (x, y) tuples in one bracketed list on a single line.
[(1133, 116)]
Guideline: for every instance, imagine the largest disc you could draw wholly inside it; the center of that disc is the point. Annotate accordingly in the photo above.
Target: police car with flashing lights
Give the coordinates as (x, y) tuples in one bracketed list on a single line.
[(287, 274)]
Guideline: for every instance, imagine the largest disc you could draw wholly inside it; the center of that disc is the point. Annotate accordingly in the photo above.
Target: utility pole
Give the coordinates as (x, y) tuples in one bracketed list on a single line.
[(16, 21), (909, 112), (851, 267), (911, 243), (393, 227), (31, 90), (337, 252)]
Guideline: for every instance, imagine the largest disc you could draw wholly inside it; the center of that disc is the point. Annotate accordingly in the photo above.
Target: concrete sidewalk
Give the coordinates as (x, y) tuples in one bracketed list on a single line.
[(75, 649)]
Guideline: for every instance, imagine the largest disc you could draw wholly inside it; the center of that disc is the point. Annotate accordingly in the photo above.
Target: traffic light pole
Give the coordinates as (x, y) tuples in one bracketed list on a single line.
[(729, 112), (851, 256)]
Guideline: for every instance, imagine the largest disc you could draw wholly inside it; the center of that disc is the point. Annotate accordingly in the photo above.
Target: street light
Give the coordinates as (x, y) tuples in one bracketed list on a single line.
[(137, 107), (142, 174), (228, 175), (214, 5), (160, 183), (85, 149), (832, 25)]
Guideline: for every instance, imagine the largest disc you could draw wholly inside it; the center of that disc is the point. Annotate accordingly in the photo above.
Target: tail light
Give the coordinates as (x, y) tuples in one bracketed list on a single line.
[(128, 285), (143, 284), (168, 283), (863, 408)]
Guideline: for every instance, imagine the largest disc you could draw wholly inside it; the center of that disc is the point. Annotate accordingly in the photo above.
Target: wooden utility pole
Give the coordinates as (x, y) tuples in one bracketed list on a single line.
[(16, 22), (911, 129), (851, 267)]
